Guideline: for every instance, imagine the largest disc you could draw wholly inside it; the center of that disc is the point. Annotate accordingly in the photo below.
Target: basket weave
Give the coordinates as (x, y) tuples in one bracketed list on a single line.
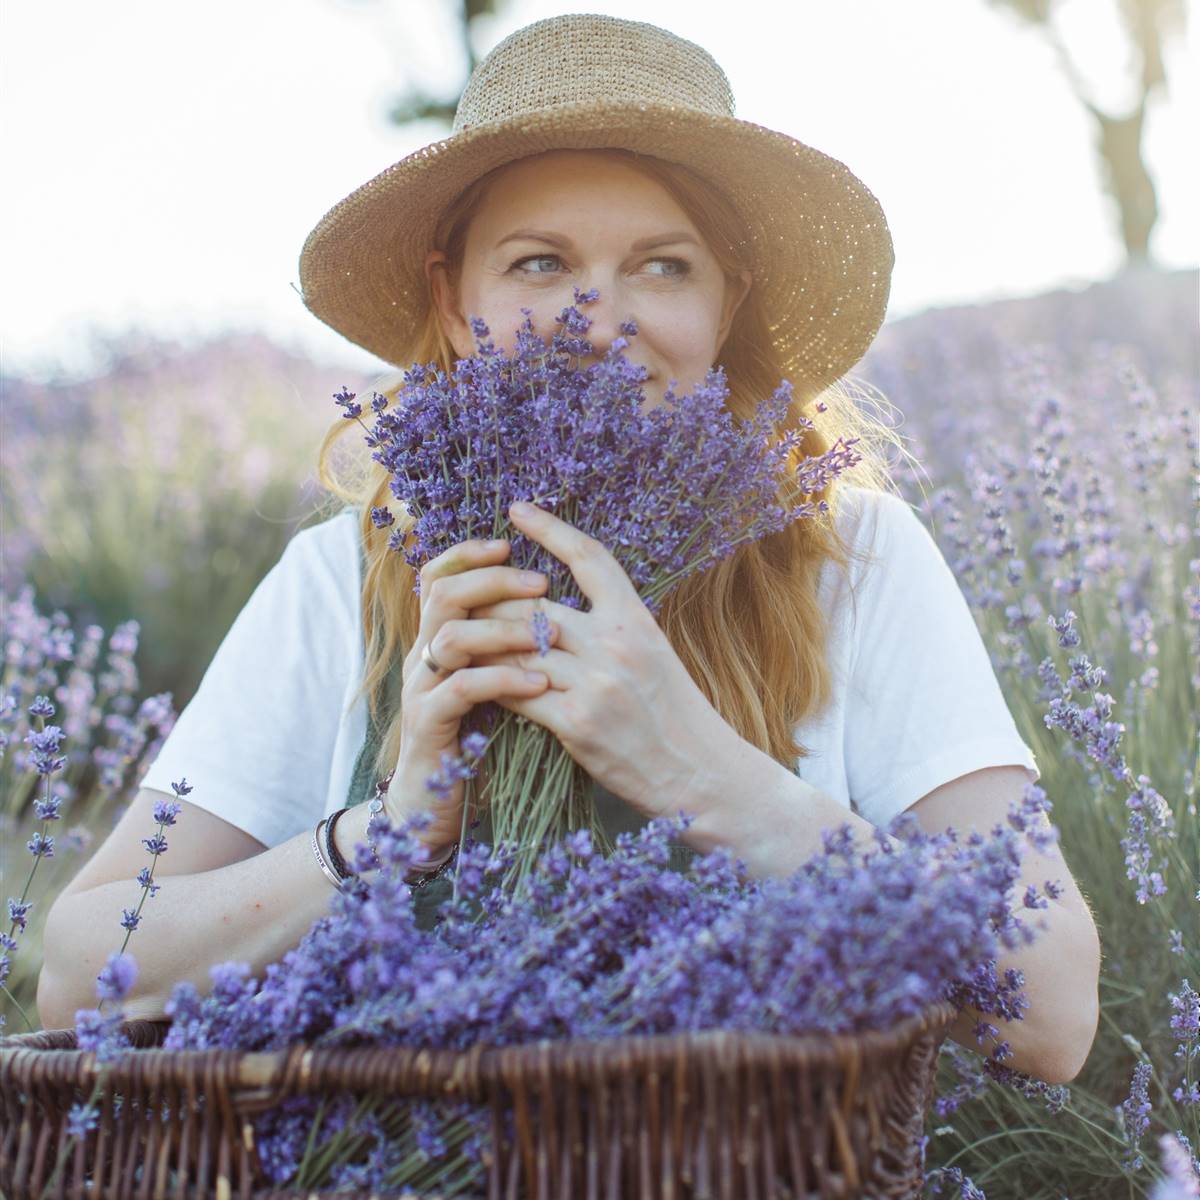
[(715, 1114)]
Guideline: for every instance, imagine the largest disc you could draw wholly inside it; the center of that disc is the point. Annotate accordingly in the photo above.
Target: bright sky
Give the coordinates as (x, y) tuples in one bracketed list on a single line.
[(166, 162)]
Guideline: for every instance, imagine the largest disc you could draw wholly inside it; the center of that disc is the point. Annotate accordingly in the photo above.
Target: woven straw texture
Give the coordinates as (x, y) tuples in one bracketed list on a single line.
[(703, 1115), (818, 242)]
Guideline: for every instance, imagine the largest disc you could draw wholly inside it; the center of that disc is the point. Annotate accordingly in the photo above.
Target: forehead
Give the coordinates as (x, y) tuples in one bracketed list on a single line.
[(575, 187)]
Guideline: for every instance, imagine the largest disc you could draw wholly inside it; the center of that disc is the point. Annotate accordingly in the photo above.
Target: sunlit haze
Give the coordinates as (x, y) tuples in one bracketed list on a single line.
[(166, 161)]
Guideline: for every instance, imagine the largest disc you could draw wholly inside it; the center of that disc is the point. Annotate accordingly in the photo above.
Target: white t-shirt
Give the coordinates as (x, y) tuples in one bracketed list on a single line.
[(270, 738)]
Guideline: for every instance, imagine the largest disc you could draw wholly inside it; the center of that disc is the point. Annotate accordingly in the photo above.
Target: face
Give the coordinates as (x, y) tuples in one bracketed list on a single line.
[(570, 219)]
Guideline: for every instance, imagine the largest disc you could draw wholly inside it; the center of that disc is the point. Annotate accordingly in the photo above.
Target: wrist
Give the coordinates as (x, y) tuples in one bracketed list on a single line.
[(351, 830)]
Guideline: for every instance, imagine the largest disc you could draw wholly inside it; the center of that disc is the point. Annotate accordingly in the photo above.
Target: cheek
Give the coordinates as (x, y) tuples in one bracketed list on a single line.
[(687, 334), (503, 316)]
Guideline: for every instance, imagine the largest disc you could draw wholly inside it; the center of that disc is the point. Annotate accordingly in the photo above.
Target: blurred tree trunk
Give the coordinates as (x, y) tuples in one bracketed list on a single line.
[(1146, 23), (417, 105)]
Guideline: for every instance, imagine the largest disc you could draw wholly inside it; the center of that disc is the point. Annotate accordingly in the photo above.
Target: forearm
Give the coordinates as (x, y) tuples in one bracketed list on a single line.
[(251, 911), (779, 828)]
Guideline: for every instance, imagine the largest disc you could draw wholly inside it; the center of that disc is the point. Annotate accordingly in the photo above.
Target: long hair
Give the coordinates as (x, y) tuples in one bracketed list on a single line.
[(749, 629)]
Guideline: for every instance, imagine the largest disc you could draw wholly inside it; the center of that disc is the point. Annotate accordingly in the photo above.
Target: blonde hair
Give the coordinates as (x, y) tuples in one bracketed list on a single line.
[(749, 630)]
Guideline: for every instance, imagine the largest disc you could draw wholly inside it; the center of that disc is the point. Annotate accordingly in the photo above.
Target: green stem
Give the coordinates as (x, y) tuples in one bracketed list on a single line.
[(17, 1006)]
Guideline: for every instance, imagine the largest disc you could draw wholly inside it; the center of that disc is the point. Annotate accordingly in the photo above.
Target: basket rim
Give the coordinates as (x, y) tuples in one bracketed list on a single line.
[(255, 1068)]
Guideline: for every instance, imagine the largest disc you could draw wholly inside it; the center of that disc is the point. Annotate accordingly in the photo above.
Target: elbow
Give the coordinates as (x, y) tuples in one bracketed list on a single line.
[(67, 978), (56, 995), (1069, 1057), (55, 1006), (1078, 1031)]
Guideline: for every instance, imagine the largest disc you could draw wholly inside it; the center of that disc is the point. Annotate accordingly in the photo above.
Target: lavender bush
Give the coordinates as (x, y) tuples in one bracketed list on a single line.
[(536, 426), (1061, 487), (80, 768), (161, 490)]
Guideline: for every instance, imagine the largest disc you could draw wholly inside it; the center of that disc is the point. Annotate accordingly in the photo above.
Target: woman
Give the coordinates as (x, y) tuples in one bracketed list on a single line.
[(780, 694)]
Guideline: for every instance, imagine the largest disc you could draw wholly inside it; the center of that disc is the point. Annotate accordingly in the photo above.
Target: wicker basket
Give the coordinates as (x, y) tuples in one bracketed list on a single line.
[(716, 1114)]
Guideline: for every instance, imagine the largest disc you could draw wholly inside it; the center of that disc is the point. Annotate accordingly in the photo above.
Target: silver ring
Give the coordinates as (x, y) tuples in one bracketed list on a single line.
[(432, 663)]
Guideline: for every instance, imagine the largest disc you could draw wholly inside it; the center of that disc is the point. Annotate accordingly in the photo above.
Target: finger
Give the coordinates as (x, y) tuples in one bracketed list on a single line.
[(454, 697), (542, 708), (559, 666), (465, 643), (463, 556), (571, 624), (600, 577), (453, 596)]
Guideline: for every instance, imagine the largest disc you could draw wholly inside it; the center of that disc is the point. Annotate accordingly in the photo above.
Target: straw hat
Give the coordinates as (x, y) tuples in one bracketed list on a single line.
[(819, 245)]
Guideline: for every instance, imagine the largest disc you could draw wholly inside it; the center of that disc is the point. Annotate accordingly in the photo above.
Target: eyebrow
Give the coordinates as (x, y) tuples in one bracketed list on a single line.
[(563, 243)]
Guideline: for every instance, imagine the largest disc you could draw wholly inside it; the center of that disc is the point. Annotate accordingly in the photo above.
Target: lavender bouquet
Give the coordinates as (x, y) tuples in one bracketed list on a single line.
[(668, 491), (597, 947)]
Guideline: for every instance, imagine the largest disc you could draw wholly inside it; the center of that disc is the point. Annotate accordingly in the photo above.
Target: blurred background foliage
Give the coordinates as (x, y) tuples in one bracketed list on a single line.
[(164, 490)]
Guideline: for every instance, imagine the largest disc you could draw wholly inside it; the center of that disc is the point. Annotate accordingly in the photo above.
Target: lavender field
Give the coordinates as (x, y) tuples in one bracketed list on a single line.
[(1055, 451)]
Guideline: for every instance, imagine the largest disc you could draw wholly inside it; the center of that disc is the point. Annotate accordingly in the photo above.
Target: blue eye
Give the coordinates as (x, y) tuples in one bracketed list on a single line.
[(683, 267), (535, 258)]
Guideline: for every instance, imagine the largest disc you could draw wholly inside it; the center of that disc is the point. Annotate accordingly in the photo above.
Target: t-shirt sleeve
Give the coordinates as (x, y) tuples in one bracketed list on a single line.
[(924, 705), (257, 739)]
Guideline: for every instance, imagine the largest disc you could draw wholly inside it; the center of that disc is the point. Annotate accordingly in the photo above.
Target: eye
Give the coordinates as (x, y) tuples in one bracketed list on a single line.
[(534, 258), (681, 267)]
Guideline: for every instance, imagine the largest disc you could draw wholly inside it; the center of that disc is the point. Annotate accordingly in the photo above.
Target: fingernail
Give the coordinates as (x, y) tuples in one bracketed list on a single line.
[(535, 677), (495, 544), (520, 509)]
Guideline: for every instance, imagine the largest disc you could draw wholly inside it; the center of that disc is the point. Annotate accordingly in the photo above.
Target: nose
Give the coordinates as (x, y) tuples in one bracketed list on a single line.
[(606, 316)]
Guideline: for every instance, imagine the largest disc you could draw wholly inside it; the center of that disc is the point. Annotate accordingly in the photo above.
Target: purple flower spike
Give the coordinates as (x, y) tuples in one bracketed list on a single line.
[(116, 977), (18, 911), (345, 399), (540, 625), (145, 880), (1182, 1172), (40, 846), (81, 1120), (48, 810), (165, 811), (157, 844)]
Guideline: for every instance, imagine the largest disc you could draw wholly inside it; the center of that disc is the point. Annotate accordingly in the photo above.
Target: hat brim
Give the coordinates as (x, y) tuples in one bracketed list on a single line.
[(819, 243)]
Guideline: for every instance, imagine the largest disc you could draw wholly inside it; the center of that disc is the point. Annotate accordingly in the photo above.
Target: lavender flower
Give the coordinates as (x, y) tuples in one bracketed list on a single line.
[(116, 977), (81, 1120), (102, 1033), (1185, 1023), (540, 625), (1182, 1181), (1134, 1113)]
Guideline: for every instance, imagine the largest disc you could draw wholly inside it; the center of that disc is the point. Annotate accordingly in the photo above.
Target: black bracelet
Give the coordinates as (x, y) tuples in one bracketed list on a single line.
[(336, 861), (424, 878)]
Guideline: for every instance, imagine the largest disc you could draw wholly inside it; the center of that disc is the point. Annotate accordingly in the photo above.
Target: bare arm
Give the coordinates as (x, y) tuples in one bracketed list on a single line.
[(224, 897)]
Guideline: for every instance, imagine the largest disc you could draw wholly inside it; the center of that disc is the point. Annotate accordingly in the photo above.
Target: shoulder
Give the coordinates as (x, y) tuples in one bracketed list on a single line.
[(876, 526), (867, 516), (320, 570), (329, 545)]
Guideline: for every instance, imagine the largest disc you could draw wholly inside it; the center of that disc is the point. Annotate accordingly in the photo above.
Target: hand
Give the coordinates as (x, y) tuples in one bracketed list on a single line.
[(432, 706), (620, 701)]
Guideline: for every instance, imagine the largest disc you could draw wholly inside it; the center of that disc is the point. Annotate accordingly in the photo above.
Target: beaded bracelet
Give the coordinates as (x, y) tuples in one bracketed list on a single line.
[(424, 876), (334, 865)]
